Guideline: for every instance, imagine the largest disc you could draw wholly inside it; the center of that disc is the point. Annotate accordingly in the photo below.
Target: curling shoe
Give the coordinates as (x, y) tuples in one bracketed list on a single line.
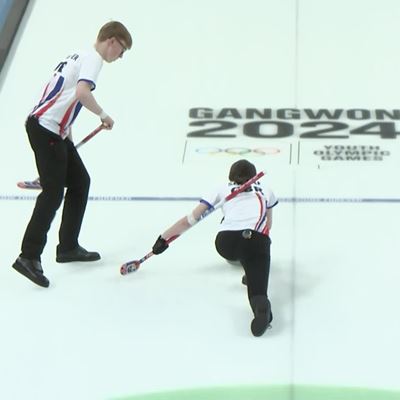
[(262, 314), (244, 280), (77, 254), (32, 269)]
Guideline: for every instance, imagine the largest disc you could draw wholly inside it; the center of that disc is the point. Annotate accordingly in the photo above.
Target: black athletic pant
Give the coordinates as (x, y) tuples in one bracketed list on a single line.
[(253, 253), (59, 166)]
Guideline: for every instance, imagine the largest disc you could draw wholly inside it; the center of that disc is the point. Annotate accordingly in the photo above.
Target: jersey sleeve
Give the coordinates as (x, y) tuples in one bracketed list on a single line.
[(90, 68), (212, 198), (270, 197)]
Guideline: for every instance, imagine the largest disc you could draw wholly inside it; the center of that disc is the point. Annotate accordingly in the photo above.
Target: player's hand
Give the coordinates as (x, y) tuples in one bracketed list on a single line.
[(108, 122), (160, 245)]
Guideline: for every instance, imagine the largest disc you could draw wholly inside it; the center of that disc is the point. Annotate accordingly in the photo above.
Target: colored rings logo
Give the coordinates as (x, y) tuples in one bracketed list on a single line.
[(238, 151)]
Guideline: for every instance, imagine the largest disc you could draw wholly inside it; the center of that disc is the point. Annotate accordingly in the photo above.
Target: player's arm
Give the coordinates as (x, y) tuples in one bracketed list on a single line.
[(178, 228), (84, 95)]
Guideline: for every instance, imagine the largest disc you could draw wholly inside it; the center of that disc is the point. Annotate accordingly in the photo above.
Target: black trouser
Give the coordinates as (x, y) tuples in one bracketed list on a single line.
[(59, 166), (253, 253)]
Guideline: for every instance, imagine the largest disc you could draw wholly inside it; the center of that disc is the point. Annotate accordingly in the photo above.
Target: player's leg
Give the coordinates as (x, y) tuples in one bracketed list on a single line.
[(50, 156), (255, 259), (76, 196), (226, 243)]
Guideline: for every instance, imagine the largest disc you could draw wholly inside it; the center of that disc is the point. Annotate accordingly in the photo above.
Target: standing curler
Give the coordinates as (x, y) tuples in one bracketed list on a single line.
[(59, 165)]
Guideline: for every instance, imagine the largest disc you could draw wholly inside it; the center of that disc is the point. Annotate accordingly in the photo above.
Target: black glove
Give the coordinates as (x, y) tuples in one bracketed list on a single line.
[(160, 245)]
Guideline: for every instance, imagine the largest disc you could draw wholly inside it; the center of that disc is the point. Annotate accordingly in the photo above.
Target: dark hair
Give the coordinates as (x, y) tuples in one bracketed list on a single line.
[(115, 29), (241, 171)]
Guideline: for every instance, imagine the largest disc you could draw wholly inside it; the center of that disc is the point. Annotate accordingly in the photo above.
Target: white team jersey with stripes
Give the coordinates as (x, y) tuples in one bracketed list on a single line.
[(58, 107), (248, 210)]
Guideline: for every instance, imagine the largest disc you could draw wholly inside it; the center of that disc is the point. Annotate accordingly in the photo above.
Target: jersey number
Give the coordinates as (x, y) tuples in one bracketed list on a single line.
[(60, 66)]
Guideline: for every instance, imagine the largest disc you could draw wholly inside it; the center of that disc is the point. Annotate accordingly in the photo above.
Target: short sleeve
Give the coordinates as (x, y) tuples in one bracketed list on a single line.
[(271, 199), (212, 198), (90, 68)]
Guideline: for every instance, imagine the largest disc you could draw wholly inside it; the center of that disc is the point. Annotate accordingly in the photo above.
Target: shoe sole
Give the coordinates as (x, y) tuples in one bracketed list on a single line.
[(67, 260), (259, 325), (262, 315), (24, 272)]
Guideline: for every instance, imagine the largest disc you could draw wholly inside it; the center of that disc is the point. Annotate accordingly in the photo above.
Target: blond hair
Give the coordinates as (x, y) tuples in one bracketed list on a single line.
[(117, 30)]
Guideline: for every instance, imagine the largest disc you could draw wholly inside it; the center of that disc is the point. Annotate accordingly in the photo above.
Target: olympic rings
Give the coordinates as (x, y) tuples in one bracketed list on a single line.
[(238, 151)]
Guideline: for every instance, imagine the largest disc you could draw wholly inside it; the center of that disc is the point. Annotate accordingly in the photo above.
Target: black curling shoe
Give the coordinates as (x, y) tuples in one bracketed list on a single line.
[(77, 254), (262, 315), (32, 269)]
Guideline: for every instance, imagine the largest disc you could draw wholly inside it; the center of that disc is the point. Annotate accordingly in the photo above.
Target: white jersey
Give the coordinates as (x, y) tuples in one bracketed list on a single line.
[(58, 106), (248, 210)]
